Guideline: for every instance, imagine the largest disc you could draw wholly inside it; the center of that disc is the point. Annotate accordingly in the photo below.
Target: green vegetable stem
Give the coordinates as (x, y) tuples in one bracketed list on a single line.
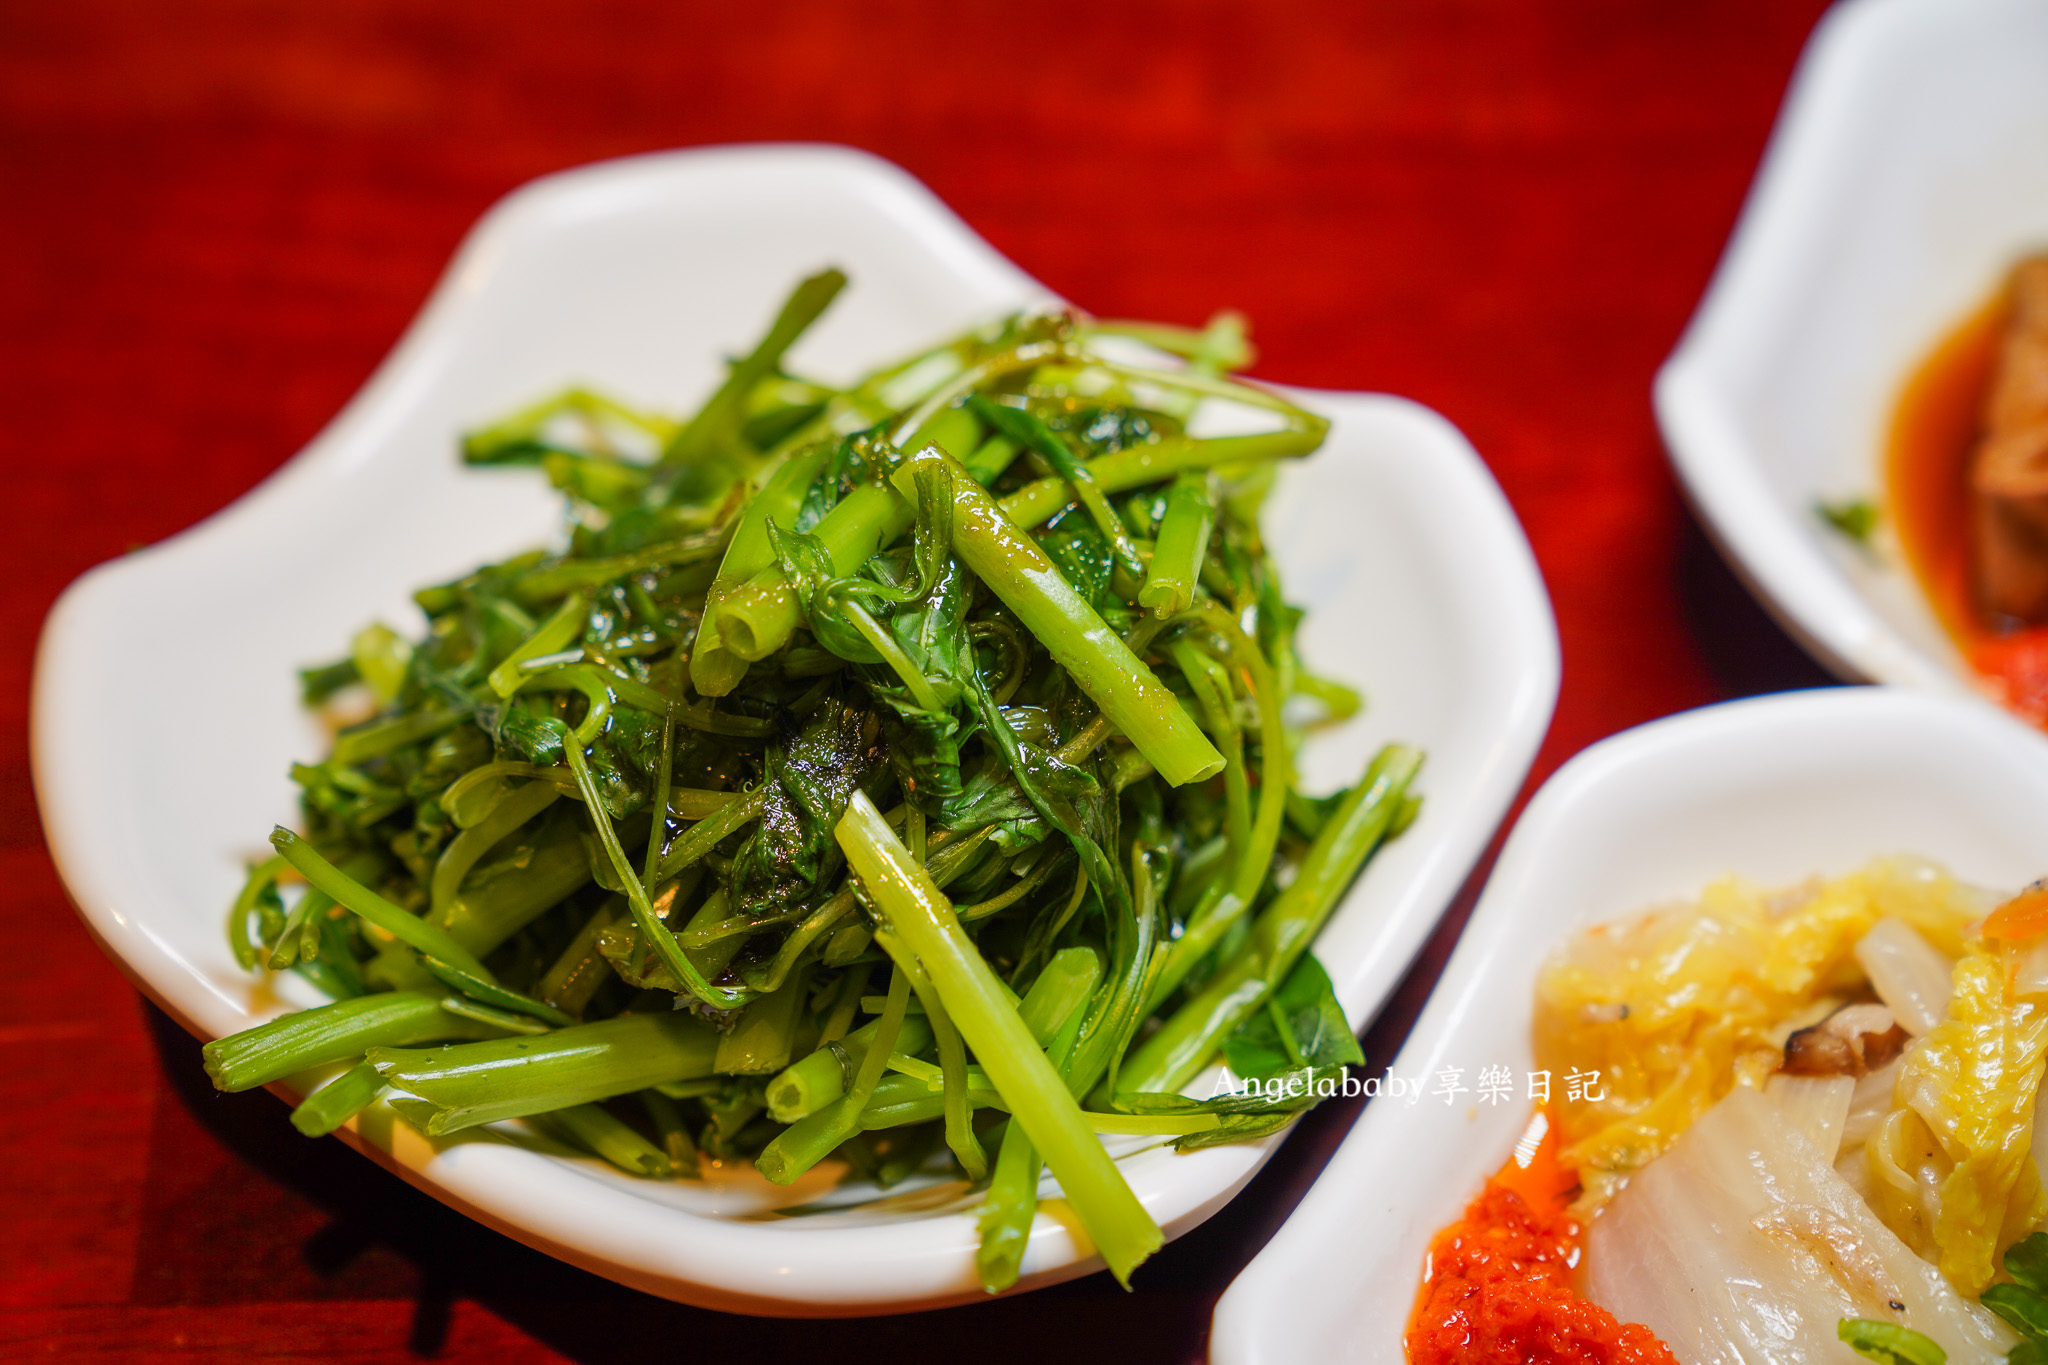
[(890, 781)]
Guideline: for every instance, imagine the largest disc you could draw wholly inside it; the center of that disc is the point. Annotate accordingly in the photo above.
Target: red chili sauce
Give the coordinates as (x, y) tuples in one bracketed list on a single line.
[(1499, 1290)]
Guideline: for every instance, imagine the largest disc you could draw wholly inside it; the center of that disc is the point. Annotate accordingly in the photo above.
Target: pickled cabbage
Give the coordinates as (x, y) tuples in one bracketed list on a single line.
[(1674, 1009), (1742, 1246), (1953, 1167)]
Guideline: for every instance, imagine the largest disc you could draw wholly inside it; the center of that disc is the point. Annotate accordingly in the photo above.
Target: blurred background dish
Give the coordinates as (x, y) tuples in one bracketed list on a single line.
[(1904, 181)]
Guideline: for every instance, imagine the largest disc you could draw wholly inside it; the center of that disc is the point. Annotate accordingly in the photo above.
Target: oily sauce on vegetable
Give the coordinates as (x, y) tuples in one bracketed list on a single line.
[(1934, 432)]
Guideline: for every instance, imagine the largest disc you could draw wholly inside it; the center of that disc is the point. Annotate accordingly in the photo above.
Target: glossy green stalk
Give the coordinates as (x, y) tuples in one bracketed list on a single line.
[(991, 458), (492, 994), (1027, 431), (711, 955), (1015, 569), (466, 848), (550, 637), (821, 1078), (581, 968), (651, 928), (338, 1101), (598, 1130), (595, 692), (1211, 685), (708, 833), (946, 863), (1281, 933), (1117, 1013), (958, 1112), (509, 1078), (760, 615), (1233, 899), (811, 1139), (703, 715), (762, 1039), (721, 411), (1052, 1009), (1155, 463), (380, 737), (902, 1100), (1217, 348), (509, 1021), (884, 644), (1019, 888), (800, 940), (696, 803), (332, 1033), (664, 796), (360, 899), (482, 917), (1181, 547), (614, 685), (920, 915), (1064, 985), (714, 671), (260, 879), (673, 1131), (301, 934), (472, 797), (545, 583)]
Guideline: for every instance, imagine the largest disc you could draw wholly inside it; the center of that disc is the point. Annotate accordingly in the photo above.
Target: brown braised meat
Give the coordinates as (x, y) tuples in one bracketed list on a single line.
[(1853, 1041), (2009, 471)]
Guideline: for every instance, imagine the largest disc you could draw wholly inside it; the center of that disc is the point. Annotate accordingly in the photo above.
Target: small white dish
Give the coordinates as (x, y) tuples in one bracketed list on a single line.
[(1775, 789), (1905, 177), (166, 716)]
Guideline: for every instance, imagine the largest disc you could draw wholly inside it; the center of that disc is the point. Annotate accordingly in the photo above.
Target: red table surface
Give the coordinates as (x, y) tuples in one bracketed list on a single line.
[(216, 217)]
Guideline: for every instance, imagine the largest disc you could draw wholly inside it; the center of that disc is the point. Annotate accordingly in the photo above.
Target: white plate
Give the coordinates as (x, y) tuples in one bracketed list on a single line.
[(1774, 789), (165, 714), (1906, 175)]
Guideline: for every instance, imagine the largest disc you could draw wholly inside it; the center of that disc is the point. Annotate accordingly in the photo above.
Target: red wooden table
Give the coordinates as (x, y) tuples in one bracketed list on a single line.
[(216, 216)]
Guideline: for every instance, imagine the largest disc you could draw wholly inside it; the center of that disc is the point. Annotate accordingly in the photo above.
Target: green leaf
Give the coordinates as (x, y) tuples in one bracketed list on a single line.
[(2027, 1262), (811, 778), (1084, 557), (807, 565), (1889, 1343), (1234, 1128), (491, 993), (1854, 518), (1301, 1026), (2026, 1310), (991, 798), (2032, 1351), (1287, 1093)]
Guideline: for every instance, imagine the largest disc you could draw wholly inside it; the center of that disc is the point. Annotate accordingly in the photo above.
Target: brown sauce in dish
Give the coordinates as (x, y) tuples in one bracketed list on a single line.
[(1927, 467), (1935, 430)]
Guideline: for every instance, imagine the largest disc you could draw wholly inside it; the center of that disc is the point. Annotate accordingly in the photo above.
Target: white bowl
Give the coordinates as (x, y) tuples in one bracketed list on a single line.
[(1774, 789), (1905, 176), (165, 714)]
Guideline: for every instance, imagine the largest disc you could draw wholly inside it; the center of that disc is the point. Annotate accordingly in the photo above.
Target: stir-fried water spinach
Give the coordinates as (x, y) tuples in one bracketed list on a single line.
[(900, 774)]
